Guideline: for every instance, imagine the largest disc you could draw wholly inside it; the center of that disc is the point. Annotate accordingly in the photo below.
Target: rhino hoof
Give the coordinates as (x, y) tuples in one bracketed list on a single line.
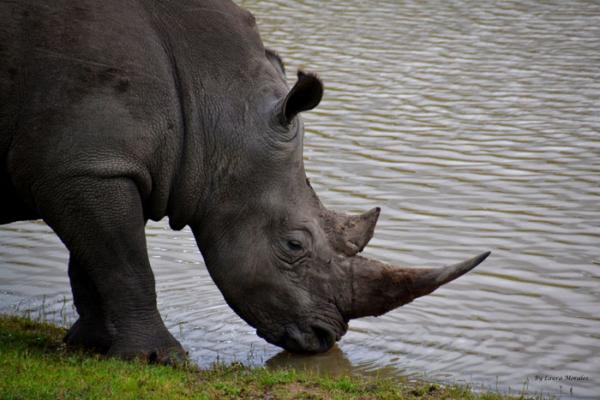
[(172, 354), (88, 336)]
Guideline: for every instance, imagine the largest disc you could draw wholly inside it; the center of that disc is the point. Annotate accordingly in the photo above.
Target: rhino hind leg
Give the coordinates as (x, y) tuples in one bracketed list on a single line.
[(102, 224)]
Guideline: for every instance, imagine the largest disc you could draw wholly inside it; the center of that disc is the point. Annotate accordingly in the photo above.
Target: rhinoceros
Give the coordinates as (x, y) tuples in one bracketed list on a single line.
[(114, 113)]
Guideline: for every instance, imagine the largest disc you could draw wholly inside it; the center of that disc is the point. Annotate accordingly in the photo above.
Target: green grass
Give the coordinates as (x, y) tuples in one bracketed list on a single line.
[(34, 364)]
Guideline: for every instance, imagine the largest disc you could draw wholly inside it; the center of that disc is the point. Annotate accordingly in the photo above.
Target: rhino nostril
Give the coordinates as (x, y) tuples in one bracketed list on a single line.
[(325, 336), (316, 339)]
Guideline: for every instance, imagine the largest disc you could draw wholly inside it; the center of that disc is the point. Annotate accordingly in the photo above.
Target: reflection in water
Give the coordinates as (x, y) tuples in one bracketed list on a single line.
[(334, 362), (475, 126)]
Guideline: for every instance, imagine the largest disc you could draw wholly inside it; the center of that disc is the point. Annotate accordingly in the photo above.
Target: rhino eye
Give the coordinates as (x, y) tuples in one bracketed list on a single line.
[(294, 245)]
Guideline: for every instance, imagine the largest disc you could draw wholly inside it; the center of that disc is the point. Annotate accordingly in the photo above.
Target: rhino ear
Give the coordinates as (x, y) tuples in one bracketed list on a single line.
[(305, 95)]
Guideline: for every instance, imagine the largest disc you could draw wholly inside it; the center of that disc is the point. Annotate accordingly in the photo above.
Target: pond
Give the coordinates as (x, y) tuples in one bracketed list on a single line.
[(475, 126)]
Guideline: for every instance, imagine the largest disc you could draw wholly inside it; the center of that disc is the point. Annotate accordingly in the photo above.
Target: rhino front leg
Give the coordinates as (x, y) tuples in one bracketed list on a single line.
[(93, 330), (101, 222)]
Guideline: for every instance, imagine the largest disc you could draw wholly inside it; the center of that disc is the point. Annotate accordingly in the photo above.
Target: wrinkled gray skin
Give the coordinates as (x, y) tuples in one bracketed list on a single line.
[(117, 112)]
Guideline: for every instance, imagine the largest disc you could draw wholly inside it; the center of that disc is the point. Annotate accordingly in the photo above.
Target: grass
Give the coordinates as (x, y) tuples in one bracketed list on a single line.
[(34, 364)]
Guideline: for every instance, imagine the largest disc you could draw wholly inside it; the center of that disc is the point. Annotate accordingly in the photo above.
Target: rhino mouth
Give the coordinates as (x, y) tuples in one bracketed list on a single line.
[(316, 338)]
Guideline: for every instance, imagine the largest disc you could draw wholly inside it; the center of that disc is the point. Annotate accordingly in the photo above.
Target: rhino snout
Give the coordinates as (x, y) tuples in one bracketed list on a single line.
[(315, 338)]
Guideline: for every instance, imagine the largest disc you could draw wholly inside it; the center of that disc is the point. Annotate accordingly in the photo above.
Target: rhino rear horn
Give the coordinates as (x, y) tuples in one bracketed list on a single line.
[(349, 234)]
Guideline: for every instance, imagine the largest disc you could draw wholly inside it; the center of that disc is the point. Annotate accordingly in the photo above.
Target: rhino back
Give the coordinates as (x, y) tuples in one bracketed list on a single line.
[(86, 89), (58, 53), (114, 87)]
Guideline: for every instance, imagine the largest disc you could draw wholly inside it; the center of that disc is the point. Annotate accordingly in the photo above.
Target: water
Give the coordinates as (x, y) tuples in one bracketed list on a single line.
[(475, 126)]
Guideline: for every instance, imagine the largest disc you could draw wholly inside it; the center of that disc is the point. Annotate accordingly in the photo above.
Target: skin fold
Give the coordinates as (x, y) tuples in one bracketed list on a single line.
[(114, 113)]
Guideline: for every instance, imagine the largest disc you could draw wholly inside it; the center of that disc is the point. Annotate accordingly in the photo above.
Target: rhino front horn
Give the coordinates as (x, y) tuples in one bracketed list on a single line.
[(378, 288)]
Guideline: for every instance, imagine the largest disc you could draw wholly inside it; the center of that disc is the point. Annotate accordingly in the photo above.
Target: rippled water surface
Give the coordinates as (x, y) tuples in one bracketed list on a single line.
[(475, 126)]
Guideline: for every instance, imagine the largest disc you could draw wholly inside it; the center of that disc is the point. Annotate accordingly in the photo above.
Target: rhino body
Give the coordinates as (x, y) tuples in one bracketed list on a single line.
[(114, 113)]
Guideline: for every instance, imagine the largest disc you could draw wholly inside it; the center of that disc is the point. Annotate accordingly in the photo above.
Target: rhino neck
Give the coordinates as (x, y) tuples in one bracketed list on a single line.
[(188, 186), (213, 161), (216, 80), (200, 165)]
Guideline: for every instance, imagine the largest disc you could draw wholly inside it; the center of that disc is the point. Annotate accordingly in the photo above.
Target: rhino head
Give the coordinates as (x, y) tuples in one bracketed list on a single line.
[(286, 264)]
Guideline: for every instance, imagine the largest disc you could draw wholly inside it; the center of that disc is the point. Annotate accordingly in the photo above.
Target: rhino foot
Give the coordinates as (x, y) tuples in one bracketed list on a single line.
[(161, 349), (89, 335)]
